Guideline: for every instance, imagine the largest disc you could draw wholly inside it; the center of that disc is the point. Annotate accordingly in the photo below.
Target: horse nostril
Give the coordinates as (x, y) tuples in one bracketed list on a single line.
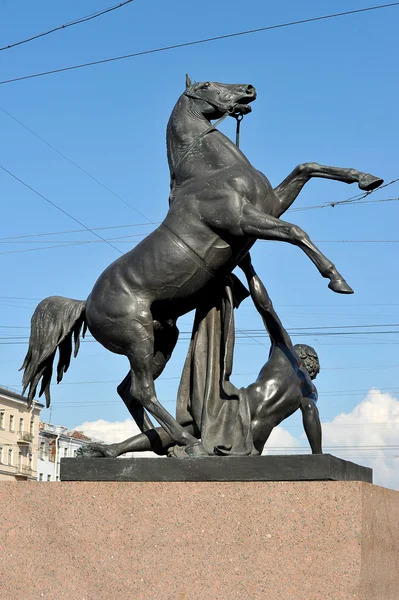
[(250, 89)]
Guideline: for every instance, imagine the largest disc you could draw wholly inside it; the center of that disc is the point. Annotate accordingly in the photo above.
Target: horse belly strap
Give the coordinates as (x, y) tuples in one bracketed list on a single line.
[(188, 250)]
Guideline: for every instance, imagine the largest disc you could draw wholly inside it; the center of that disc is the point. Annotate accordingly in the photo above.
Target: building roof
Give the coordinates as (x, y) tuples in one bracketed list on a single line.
[(9, 393), (77, 435)]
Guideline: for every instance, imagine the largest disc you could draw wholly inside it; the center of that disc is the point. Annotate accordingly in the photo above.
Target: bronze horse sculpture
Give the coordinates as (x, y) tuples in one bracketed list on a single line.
[(219, 206)]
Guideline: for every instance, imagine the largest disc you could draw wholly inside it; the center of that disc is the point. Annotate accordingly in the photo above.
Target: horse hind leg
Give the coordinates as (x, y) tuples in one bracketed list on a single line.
[(142, 388), (135, 409), (165, 339)]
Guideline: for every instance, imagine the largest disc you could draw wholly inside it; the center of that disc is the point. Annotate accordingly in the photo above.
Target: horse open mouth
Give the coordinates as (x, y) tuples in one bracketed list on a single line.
[(242, 105)]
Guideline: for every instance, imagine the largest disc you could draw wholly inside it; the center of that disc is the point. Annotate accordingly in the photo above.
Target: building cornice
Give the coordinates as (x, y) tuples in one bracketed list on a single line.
[(15, 397)]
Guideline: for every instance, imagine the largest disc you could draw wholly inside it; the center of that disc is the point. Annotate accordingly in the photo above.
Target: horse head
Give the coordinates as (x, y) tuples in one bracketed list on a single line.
[(218, 99)]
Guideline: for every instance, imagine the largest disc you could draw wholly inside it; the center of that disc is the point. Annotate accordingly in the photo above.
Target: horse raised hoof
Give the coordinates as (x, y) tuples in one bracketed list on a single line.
[(340, 286), (368, 182)]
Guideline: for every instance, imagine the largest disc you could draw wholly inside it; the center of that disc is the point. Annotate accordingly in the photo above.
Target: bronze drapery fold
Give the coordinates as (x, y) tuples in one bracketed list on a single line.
[(206, 397)]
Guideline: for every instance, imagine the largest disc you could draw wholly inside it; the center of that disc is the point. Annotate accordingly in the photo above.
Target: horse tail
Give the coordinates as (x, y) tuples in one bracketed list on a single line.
[(55, 321)]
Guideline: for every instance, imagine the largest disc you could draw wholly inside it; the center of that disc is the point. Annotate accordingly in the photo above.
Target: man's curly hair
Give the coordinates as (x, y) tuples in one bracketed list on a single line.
[(309, 359)]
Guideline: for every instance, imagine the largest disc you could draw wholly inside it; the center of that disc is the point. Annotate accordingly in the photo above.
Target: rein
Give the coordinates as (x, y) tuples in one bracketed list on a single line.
[(230, 112)]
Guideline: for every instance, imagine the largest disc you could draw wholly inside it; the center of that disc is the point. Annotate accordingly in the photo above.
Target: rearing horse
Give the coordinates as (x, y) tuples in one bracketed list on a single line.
[(220, 205)]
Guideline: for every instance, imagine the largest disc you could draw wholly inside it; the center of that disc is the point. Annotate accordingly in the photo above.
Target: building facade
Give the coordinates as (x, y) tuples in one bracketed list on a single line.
[(56, 442), (19, 436)]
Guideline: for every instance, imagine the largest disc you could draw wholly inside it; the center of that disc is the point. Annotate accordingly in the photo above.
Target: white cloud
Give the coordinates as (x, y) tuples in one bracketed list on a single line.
[(370, 427), (281, 438)]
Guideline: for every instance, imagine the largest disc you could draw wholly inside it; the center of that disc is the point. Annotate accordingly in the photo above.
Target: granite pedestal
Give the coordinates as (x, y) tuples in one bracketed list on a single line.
[(328, 540)]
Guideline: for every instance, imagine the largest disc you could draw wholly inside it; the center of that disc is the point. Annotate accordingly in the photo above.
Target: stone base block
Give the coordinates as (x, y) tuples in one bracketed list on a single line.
[(299, 467), (199, 541)]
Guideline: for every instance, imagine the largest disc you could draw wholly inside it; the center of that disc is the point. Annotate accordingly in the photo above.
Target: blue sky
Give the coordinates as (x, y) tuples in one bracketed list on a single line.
[(327, 92)]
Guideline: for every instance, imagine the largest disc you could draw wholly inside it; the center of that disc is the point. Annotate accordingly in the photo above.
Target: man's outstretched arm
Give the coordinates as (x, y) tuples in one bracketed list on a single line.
[(311, 424), (264, 305)]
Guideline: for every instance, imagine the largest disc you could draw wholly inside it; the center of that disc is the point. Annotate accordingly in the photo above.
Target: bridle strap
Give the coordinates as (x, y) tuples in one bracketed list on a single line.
[(199, 138), (230, 112)]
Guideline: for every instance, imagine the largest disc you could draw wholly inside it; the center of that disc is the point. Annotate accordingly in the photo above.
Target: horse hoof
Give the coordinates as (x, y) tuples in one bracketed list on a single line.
[(94, 450), (368, 182), (187, 451), (340, 286), (196, 450)]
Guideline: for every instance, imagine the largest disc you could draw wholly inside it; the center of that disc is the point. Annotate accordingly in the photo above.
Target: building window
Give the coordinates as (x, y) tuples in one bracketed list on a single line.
[(10, 457), (48, 477), (1, 454), (32, 427), (20, 461), (75, 453), (65, 452), (30, 462), (40, 476), (2, 419), (42, 450), (21, 425), (11, 422)]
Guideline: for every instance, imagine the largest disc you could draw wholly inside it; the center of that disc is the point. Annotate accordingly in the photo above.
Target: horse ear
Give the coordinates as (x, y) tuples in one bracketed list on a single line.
[(188, 81)]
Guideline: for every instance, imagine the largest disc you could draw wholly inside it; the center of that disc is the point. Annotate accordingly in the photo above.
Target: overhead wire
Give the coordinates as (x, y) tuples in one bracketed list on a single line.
[(92, 230), (78, 21), (201, 41), (29, 235), (86, 242), (59, 208), (357, 199), (95, 179), (128, 239), (240, 336)]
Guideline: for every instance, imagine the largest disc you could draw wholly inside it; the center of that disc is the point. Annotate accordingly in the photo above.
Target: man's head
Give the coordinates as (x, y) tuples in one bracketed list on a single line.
[(309, 359)]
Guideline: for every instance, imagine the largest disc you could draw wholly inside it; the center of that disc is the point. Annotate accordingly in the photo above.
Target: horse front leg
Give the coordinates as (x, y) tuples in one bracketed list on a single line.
[(255, 224), (288, 190)]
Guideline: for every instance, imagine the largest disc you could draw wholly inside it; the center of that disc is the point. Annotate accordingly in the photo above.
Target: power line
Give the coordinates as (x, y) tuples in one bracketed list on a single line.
[(69, 24), (74, 163), (292, 330), (281, 305), (128, 238), (18, 237), (59, 208), (85, 242), (201, 41), (241, 335), (303, 208), (344, 203), (249, 374), (122, 238), (58, 246), (358, 199), (296, 331)]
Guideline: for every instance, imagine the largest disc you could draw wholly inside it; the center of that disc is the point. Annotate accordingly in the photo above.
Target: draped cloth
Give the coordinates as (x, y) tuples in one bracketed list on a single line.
[(206, 397)]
